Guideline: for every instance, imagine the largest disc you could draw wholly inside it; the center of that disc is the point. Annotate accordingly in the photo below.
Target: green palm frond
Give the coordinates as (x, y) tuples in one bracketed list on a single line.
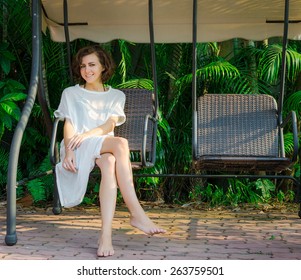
[(293, 62), (218, 70), (9, 110), (137, 83), (125, 59), (239, 84), (293, 103), (288, 143), (210, 49), (41, 189), (215, 71), (270, 63)]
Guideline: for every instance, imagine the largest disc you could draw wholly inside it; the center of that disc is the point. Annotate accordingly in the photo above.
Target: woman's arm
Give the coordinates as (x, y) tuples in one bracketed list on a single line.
[(69, 162), (69, 132), (76, 139)]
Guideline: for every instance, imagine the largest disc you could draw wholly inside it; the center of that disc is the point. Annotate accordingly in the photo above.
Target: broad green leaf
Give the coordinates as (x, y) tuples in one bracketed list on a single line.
[(17, 96), (11, 109), (5, 65)]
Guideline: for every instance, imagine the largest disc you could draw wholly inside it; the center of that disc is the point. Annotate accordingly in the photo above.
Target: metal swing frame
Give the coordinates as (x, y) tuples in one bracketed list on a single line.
[(207, 109), (36, 88), (143, 135), (214, 167)]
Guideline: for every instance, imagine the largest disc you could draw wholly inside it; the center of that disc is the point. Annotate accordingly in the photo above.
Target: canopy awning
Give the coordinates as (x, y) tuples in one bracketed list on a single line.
[(218, 20)]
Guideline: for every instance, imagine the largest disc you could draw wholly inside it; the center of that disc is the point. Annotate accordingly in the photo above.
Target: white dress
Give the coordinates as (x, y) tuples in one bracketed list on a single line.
[(86, 110)]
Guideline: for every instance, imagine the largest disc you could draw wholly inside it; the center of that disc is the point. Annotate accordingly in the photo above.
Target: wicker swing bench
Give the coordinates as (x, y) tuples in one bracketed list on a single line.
[(140, 128), (241, 135), (240, 132), (141, 109)]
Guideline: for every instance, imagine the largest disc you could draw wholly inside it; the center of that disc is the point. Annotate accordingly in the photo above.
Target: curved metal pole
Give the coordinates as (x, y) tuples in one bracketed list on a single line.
[(11, 235), (43, 99), (194, 78), (153, 54)]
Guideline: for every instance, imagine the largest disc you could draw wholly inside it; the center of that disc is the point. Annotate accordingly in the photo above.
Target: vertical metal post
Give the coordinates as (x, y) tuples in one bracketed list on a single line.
[(154, 71), (11, 235), (54, 158), (194, 78), (283, 73), (67, 38), (57, 209), (153, 53)]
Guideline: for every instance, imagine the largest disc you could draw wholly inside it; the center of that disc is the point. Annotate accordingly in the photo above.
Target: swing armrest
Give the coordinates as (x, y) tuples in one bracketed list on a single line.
[(144, 161), (293, 118), (53, 152)]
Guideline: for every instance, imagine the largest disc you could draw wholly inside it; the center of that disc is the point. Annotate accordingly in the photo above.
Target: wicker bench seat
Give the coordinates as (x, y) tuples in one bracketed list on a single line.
[(240, 132)]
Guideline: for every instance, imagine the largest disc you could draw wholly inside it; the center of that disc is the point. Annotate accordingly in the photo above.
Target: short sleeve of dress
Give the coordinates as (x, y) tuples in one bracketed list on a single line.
[(63, 110), (118, 110)]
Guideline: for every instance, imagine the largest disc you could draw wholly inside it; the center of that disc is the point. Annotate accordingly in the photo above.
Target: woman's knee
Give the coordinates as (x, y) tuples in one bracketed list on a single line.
[(106, 160), (122, 144), (118, 146)]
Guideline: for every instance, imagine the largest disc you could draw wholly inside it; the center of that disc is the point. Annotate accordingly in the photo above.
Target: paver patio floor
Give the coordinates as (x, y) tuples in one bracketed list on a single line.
[(191, 234)]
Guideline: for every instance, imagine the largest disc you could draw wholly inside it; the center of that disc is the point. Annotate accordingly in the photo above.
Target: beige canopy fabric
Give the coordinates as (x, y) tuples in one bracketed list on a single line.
[(218, 20)]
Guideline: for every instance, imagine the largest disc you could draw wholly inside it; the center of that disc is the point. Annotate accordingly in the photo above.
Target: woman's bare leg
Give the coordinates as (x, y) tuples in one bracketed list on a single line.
[(107, 197), (119, 148)]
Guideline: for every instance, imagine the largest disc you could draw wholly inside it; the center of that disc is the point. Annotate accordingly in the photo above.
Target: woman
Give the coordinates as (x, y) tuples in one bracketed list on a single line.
[(91, 112)]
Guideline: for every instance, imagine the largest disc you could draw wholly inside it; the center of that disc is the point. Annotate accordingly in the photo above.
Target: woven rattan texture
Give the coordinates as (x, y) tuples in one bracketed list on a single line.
[(238, 133), (237, 125), (139, 103)]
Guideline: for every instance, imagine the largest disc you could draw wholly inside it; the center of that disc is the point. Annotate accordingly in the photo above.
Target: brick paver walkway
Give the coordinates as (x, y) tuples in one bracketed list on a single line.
[(192, 234)]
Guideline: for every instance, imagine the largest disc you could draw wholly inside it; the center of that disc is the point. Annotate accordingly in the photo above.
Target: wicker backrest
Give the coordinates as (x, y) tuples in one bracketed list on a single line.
[(237, 125), (139, 103)]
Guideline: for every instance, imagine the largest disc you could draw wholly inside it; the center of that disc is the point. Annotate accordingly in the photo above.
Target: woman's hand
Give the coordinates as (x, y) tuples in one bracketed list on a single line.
[(69, 162), (76, 141)]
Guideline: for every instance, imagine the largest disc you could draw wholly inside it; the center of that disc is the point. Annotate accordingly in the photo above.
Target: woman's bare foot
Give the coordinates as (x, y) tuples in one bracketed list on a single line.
[(146, 225), (105, 247)]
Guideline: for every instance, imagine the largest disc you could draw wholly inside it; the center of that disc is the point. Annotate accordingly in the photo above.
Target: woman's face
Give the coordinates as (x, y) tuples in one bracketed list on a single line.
[(91, 69)]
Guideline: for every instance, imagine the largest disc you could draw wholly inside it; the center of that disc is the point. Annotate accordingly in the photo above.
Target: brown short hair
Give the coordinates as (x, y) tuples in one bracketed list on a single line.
[(105, 60)]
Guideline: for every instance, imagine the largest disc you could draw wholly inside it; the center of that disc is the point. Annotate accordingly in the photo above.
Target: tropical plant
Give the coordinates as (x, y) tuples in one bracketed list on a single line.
[(246, 67), (41, 189), (9, 109), (10, 97), (10, 92)]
